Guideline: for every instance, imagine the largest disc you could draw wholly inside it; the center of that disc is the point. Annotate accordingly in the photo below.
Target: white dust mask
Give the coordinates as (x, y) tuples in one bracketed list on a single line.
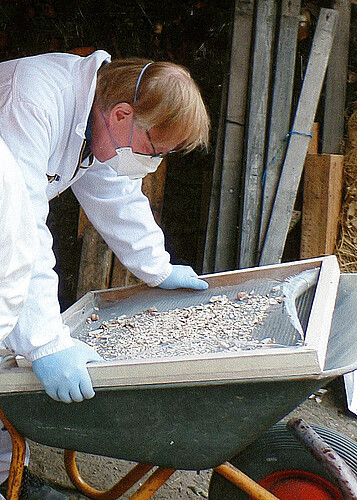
[(133, 165)]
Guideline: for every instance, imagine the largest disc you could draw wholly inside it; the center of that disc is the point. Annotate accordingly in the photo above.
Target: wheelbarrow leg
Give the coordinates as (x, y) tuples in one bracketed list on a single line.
[(17, 460), (244, 482), (131, 478), (152, 484)]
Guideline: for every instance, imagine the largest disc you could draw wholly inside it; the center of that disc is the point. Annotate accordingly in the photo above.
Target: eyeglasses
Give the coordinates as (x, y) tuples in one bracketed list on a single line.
[(157, 155)]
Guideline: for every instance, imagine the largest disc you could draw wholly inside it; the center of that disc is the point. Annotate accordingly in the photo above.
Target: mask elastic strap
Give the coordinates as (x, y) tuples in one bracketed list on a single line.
[(136, 96), (110, 135)]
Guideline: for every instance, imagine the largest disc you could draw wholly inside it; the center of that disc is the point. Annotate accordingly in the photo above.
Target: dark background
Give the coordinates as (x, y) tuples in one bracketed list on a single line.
[(196, 34)]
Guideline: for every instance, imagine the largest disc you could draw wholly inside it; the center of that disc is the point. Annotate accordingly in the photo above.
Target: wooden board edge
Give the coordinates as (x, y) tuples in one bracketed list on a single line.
[(320, 320), (276, 363)]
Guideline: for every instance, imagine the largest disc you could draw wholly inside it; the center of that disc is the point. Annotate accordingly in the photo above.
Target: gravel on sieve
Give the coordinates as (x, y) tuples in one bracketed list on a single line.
[(220, 325)]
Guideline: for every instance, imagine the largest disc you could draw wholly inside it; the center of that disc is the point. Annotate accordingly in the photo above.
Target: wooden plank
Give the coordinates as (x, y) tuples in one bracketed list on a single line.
[(313, 147), (211, 225), (104, 298), (257, 122), (321, 204), (83, 223), (323, 306), (228, 213), (281, 106), (336, 82), (299, 138), (154, 188), (96, 261), (120, 276), (264, 364)]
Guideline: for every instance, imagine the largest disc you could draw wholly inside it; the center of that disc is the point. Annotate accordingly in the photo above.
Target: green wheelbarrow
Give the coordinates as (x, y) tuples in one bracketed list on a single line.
[(188, 413)]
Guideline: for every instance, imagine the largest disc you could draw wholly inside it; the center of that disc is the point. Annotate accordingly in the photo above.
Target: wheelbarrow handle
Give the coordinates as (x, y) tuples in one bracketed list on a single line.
[(328, 458)]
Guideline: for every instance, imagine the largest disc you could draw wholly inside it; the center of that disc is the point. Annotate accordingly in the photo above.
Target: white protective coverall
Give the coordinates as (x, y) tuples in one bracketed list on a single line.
[(18, 241), (45, 102), (18, 247)]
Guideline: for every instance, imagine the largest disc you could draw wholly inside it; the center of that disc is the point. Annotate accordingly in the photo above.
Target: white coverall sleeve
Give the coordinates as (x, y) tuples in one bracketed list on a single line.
[(18, 241), (121, 213), (39, 330)]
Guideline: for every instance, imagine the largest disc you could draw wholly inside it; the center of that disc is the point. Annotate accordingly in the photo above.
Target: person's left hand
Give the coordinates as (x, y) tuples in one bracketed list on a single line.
[(183, 277)]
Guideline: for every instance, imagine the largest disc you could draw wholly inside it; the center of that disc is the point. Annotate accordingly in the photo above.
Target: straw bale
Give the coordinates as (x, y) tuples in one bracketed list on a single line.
[(346, 247)]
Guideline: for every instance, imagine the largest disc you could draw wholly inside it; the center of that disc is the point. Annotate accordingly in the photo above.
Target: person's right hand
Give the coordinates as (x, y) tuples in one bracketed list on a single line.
[(183, 277), (64, 374)]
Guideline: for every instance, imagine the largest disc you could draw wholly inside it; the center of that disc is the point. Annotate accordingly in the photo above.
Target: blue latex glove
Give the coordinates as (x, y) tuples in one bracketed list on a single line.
[(64, 375), (183, 277)]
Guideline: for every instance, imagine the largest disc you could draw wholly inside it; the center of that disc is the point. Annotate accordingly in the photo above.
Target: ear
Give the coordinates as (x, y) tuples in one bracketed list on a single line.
[(121, 111)]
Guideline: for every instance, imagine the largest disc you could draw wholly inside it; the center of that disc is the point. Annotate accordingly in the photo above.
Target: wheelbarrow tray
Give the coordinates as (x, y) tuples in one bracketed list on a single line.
[(183, 427), (145, 412)]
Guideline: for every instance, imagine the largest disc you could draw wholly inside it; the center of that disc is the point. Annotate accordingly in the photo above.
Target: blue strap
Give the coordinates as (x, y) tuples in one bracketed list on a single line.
[(296, 132), (139, 80), (289, 134), (136, 96)]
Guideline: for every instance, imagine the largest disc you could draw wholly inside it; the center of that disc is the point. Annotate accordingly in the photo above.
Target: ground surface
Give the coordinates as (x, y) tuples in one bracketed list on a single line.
[(102, 473)]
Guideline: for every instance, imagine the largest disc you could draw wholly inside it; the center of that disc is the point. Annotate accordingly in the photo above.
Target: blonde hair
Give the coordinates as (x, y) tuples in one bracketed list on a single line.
[(168, 99)]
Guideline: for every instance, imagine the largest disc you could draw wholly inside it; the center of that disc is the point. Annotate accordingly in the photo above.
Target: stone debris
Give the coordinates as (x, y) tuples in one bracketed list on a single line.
[(220, 325)]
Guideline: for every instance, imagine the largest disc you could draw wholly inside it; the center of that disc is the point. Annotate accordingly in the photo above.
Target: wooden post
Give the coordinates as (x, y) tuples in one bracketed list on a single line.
[(323, 182), (96, 259), (281, 106), (257, 123), (313, 147), (214, 187), (278, 227), (336, 82), (231, 174)]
